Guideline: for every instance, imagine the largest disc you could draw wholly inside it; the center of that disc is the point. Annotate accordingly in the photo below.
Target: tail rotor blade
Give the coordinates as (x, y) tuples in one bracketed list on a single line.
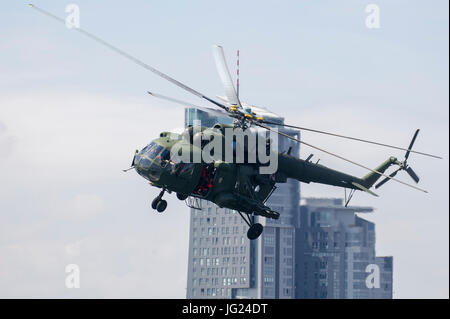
[(381, 183), (411, 144), (386, 179), (413, 175)]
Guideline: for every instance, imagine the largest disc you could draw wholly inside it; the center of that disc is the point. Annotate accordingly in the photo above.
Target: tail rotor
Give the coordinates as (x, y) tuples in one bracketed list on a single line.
[(403, 166)]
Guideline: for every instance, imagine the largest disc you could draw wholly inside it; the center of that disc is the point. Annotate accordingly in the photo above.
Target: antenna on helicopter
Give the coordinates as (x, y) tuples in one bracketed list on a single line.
[(237, 74)]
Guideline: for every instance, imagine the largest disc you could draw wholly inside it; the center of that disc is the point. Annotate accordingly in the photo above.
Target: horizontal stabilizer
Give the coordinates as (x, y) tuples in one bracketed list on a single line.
[(364, 189)]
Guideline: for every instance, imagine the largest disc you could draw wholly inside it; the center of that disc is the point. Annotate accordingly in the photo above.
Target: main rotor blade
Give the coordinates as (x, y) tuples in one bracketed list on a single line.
[(411, 144), (338, 156), (205, 109), (351, 138), (386, 179), (225, 75), (132, 58), (413, 174)]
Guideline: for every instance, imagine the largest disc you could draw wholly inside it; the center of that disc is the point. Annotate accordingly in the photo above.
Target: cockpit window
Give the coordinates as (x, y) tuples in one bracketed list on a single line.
[(154, 151), (150, 162), (154, 172), (145, 149), (144, 163), (136, 159), (165, 155)]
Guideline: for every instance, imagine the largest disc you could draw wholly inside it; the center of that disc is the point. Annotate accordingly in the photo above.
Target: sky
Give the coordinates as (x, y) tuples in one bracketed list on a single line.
[(72, 113)]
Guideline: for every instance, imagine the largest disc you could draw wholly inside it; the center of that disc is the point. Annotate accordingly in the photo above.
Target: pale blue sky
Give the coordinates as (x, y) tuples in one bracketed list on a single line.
[(72, 113)]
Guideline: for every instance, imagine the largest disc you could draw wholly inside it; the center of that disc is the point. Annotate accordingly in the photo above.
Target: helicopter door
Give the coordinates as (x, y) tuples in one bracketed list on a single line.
[(205, 183)]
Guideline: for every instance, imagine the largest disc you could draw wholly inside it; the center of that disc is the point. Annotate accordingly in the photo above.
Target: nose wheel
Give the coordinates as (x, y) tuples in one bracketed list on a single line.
[(255, 229), (161, 206), (158, 203)]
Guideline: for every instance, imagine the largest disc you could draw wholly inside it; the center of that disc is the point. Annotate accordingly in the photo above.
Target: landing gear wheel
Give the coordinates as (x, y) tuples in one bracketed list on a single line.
[(255, 231), (161, 206), (155, 202), (182, 196), (158, 199)]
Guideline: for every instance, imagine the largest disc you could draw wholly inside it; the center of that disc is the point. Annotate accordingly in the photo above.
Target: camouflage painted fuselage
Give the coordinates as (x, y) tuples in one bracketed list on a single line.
[(235, 186)]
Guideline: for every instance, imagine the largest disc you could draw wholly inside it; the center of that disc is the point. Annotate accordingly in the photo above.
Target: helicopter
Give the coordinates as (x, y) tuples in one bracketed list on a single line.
[(239, 184)]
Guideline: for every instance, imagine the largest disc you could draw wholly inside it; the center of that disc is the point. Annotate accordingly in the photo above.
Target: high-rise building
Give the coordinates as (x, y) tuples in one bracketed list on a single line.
[(319, 249), (335, 253), (223, 262)]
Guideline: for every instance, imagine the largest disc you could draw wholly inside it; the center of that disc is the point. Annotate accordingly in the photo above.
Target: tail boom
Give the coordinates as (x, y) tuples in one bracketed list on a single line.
[(307, 172)]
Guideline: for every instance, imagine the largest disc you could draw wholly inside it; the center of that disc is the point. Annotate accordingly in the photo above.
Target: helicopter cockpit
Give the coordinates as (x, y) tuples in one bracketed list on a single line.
[(150, 161)]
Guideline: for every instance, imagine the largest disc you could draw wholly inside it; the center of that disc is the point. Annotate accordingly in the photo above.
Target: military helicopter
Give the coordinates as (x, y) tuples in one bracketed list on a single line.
[(239, 185)]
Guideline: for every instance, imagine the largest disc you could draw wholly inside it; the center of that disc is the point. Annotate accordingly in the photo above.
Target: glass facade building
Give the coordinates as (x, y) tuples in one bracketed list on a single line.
[(335, 252)]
